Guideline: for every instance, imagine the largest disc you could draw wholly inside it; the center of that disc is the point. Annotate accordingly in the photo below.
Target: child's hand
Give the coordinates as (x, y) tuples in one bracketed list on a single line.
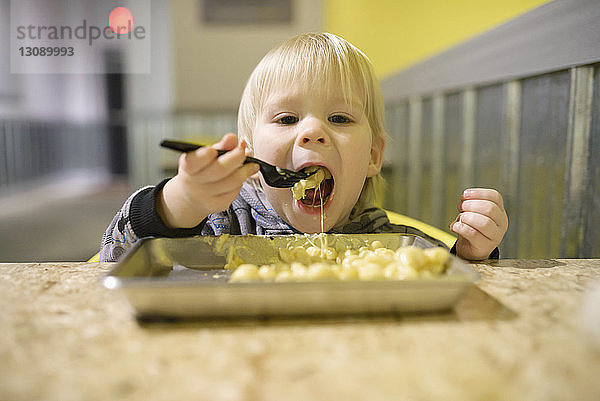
[(480, 224), (204, 183)]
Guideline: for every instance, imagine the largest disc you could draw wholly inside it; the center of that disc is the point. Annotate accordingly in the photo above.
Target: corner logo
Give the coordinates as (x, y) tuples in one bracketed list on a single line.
[(47, 39)]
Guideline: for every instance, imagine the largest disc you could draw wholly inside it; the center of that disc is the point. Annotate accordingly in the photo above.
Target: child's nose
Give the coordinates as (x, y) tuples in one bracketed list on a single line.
[(314, 133), (308, 137)]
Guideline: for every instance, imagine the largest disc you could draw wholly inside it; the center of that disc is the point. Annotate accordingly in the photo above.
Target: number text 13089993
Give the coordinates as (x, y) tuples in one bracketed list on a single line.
[(46, 51)]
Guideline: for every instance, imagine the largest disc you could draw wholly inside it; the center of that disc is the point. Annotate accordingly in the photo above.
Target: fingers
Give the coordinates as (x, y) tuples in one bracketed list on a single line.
[(481, 222), (228, 142), (206, 174), (472, 244), (470, 225), (205, 183), (473, 235), (484, 207), (193, 162), (485, 201), (247, 149), (223, 166), (483, 194), (233, 181), (208, 166)]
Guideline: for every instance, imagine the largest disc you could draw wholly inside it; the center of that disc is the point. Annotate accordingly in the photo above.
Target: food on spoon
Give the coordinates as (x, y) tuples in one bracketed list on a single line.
[(305, 189)]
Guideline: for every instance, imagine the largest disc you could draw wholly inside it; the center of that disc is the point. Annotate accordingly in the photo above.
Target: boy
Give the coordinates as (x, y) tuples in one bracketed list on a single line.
[(313, 101)]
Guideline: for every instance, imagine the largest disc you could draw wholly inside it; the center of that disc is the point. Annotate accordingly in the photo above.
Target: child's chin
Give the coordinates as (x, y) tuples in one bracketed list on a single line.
[(310, 222), (309, 228)]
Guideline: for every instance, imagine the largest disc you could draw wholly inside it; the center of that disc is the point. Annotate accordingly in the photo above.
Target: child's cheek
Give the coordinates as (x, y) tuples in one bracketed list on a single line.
[(271, 148)]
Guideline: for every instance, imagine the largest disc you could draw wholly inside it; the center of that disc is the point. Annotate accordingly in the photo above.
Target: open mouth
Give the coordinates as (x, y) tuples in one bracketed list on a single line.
[(316, 189)]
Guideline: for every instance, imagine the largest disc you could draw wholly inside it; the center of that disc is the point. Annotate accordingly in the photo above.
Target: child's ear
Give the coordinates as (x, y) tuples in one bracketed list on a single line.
[(377, 148)]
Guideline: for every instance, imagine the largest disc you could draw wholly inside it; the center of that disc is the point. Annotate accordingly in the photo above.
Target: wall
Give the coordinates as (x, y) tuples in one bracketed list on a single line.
[(153, 93), (212, 63), (516, 109), (50, 124), (73, 98), (398, 33)]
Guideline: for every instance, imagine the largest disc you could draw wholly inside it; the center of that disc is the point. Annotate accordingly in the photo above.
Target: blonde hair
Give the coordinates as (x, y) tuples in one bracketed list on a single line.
[(316, 59)]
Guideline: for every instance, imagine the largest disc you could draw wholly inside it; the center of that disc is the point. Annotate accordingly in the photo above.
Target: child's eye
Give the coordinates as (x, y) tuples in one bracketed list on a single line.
[(288, 120), (339, 119)]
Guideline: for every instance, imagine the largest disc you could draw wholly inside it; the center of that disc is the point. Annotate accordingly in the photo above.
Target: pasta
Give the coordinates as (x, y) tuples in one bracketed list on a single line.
[(314, 181), (367, 263)]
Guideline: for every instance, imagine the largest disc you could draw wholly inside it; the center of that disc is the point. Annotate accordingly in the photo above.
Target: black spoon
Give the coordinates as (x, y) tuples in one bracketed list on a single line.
[(274, 176)]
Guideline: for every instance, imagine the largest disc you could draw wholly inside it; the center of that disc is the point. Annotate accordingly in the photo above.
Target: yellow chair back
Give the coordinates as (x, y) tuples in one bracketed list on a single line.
[(443, 236)]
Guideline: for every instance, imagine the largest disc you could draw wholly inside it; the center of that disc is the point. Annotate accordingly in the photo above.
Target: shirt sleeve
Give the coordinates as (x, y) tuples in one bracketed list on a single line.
[(146, 222), (138, 218)]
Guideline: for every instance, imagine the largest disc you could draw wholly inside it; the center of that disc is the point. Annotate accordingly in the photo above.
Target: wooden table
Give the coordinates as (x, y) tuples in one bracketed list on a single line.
[(64, 337)]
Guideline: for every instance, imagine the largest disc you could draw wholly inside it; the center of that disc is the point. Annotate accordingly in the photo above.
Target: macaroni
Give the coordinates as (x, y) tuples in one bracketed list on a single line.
[(368, 263), (314, 181)]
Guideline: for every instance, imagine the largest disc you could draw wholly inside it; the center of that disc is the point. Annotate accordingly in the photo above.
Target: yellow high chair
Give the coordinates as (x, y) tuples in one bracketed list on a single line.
[(432, 231), (395, 218)]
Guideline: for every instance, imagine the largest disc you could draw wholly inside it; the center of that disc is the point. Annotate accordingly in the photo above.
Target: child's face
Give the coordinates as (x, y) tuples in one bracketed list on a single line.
[(301, 127)]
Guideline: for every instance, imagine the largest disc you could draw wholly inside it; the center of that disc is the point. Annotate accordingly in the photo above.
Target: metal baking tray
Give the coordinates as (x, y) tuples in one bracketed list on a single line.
[(186, 278)]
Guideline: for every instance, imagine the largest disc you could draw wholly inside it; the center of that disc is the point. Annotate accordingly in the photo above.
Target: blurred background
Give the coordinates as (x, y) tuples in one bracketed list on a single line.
[(501, 93)]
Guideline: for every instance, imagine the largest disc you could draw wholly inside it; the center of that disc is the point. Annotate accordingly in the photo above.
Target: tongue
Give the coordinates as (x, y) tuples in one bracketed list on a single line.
[(312, 197)]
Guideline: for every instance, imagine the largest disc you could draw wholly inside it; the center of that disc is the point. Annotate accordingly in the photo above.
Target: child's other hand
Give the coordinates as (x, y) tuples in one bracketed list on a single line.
[(205, 183), (481, 223)]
